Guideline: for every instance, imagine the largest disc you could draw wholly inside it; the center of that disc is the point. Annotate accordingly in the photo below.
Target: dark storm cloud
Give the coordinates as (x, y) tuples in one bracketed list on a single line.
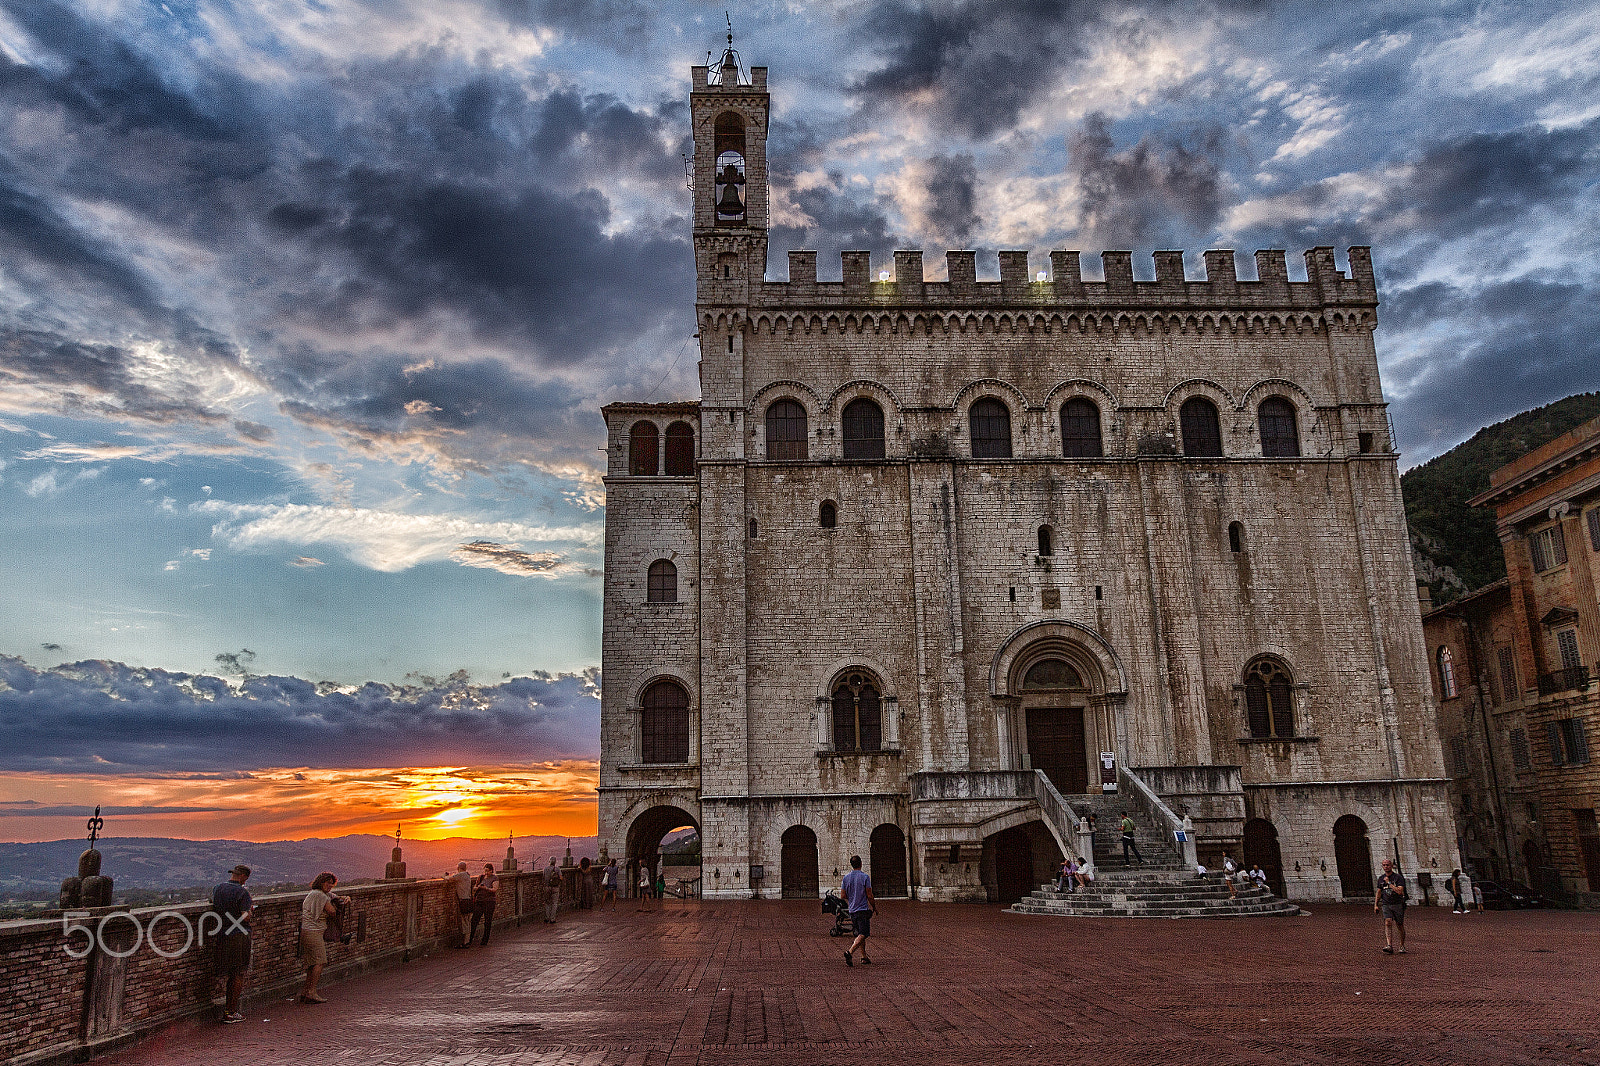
[(95, 379), (106, 717), (951, 183), (1513, 346), (1165, 185)]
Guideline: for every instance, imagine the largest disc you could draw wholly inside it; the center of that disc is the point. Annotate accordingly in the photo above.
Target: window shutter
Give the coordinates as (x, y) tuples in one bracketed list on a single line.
[(1594, 529), (1567, 641), (1536, 549), (1508, 674), (1255, 699), (1554, 732), (1579, 743), (1558, 546)]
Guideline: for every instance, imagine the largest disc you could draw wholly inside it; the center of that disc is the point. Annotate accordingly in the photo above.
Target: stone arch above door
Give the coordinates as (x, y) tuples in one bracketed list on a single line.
[(1082, 647)]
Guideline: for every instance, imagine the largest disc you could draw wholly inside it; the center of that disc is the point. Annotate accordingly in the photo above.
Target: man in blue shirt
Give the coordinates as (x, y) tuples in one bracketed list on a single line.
[(231, 901), (857, 893)]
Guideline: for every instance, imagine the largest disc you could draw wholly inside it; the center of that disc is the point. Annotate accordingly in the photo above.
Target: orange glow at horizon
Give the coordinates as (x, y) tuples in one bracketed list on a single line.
[(541, 799)]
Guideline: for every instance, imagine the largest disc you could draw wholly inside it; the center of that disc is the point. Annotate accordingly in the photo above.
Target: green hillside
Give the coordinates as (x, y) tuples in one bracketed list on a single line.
[(1456, 544)]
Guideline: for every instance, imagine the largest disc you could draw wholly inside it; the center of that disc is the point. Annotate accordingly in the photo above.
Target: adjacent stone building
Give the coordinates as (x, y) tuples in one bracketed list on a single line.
[(1514, 664), (936, 566)]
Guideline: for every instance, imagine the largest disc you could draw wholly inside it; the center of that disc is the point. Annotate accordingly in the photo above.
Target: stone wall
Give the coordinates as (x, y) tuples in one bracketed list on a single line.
[(57, 1008)]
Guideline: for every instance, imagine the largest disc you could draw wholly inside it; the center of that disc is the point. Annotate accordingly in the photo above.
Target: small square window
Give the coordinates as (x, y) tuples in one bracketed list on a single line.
[(1364, 442)]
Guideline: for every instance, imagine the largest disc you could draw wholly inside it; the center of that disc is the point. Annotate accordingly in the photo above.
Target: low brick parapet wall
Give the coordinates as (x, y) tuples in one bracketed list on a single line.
[(65, 994)]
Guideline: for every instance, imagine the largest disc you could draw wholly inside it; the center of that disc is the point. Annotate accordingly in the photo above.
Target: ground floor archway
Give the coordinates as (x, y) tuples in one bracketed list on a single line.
[(1352, 854), (798, 872), (645, 840), (1261, 849), (888, 861)]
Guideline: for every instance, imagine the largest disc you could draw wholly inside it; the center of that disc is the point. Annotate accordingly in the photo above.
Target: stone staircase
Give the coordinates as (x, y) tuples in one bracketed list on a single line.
[(1153, 842), (1154, 892)]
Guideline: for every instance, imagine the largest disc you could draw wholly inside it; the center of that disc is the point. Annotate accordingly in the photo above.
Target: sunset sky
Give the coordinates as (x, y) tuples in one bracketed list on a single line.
[(307, 312)]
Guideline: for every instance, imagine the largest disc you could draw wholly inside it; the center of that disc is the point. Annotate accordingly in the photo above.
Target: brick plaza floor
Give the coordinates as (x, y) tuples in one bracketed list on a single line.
[(717, 983)]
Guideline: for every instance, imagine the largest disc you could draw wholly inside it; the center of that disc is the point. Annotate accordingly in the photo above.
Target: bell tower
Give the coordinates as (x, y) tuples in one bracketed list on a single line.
[(729, 108)]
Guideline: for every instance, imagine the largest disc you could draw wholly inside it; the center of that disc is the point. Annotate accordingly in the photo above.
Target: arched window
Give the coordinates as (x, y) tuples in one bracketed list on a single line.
[(863, 429), (1279, 437), (1269, 700), (680, 450), (1080, 429), (857, 721), (991, 429), (1236, 537), (786, 430), (1045, 545), (755, 529), (643, 452), (663, 585), (1202, 430), (1447, 674), (664, 724), (828, 515)]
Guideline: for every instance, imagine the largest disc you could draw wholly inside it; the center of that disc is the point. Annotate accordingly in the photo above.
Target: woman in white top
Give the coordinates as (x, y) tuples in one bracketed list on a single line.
[(320, 905)]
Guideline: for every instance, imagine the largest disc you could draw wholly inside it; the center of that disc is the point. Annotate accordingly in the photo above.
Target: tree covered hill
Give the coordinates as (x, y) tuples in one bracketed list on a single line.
[(1454, 545)]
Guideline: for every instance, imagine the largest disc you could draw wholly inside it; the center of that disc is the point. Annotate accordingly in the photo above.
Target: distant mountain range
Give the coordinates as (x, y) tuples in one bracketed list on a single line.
[(1454, 545), (167, 863)]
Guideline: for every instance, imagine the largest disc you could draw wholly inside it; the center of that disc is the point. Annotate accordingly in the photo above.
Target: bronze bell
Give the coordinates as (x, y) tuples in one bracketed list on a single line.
[(730, 203)]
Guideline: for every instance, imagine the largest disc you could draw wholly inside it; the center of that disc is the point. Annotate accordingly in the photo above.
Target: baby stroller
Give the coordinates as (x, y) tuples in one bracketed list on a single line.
[(842, 926)]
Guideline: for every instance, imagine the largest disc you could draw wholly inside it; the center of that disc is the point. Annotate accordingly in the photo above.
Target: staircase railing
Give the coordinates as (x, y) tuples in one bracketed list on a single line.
[(1180, 832), (1070, 829)]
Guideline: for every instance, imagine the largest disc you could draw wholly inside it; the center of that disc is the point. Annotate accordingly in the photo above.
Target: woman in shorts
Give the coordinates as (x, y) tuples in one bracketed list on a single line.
[(320, 905)]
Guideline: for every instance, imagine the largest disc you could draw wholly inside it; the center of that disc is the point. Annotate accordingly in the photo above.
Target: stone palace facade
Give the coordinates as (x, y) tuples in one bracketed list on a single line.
[(934, 567)]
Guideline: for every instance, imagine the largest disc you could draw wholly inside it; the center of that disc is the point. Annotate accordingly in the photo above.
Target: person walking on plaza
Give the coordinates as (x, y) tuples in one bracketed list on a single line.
[(585, 885), (1129, 844), (857, 892), (461, 885), (232, 904), (644, 887), (608, 885), (320, 904), (552, 891), (1454, 885), (1391, 899), (485, 890)]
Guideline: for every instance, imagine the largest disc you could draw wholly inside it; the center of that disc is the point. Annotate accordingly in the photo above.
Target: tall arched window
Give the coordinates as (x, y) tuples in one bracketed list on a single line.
[(828, 515), (663, 583), (1046, 545), (680, 450), (1080, 429), (990, 422), (1269, 699), (1280, 439), (1447, 674), (863, 429), (664, 724), (1236, 537), (643, 449), (786, 430), (857, 718), (1202, 429)]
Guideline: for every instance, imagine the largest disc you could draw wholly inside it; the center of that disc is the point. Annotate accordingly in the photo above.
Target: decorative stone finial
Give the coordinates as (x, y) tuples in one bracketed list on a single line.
[(510, 866), (88, 889), (395, 869)]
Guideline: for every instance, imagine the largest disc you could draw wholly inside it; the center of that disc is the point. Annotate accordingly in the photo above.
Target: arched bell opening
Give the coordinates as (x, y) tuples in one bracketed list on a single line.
[(729, 147)]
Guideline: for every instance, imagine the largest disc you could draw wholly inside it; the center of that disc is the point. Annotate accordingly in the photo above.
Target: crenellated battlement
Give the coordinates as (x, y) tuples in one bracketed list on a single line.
[(1062, 285)]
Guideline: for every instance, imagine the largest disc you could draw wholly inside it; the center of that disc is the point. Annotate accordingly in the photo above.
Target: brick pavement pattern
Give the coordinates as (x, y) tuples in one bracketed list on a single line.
[(742, 982)]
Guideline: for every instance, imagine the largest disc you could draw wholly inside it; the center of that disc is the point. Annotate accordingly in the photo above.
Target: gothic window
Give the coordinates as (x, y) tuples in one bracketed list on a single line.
[(730, 182), (857, 717), (786, 430), (1280, 438), (1447, 674), (991, 430), (664, 724), (1202, 430), (1269, 700), (1045, 545), (680, 450), (828, 515), (1080, 429), (1236, 537), (643, 453), (663, 583), (863, 430)]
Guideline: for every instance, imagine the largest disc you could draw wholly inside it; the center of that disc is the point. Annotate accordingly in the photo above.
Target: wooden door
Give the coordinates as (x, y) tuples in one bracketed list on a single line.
[(1056, 746), (799, 870), (888, 861), (1353, 855)]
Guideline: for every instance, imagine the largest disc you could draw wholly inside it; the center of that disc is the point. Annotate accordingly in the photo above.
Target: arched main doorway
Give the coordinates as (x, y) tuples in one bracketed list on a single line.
[(1261, 849), (888, 861), (1352, 854), (662, 837), (799, 870)]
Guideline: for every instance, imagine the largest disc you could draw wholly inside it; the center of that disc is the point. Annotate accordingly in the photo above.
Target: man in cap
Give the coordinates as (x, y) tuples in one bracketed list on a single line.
[(231, 902)]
